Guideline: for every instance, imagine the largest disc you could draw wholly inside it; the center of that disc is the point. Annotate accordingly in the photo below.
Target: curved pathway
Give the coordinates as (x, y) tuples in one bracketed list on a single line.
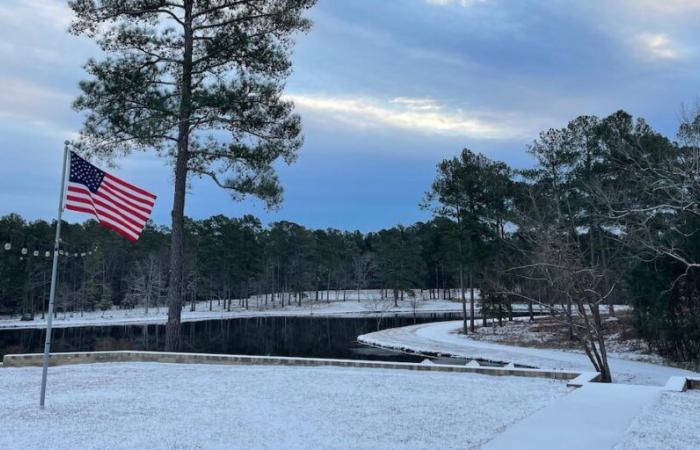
[(441, 337)]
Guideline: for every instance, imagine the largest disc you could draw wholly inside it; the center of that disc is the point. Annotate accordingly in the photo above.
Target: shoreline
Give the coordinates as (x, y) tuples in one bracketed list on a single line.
[(329, 310)]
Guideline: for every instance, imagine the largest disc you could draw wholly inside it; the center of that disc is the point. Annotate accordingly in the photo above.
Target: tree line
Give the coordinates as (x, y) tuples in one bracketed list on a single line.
[(607, 215), (226, 260)]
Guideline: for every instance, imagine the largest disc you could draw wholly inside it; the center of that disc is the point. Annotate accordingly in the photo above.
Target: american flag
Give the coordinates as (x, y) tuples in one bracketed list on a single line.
[(116, 204)]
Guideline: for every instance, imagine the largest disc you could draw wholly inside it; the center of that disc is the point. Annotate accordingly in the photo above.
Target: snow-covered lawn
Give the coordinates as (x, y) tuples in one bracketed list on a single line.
[(443, 337), (672, 423), (154, 406), (336, 307)]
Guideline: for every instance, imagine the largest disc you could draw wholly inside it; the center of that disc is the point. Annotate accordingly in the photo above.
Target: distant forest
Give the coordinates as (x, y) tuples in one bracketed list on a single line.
[(227, 258), (608, 214)]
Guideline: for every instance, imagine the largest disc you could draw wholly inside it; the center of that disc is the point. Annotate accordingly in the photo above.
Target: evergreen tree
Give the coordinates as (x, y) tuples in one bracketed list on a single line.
[(200, 83), (470, 190)]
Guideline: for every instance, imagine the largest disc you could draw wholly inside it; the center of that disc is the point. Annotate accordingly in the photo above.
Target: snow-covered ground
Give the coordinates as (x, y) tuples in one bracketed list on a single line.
[(159, 406), (442, 337), (672, 423), (549, 333), (367, 306)]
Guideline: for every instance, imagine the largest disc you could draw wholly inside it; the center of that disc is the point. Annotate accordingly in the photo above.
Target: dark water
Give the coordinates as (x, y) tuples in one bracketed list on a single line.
[(313, 337)]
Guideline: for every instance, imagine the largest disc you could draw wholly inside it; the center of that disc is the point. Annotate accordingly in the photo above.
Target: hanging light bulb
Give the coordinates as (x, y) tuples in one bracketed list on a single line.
[(60, 252), (24, 251), (8, 246), (82, 255), (36, 253), (48, 254)]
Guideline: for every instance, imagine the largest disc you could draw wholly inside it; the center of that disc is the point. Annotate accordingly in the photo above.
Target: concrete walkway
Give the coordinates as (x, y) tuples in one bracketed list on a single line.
[(441, 337), (594, 416)]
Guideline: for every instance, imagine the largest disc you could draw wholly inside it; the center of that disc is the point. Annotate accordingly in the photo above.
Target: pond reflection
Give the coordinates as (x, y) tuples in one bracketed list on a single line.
[(312, 337)]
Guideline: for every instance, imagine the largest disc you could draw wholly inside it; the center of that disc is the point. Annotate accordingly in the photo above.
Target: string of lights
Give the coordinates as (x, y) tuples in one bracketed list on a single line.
[(27, 252)]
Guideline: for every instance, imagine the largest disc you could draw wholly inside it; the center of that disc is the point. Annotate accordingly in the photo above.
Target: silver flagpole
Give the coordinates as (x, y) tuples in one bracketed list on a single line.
[(54, 273)]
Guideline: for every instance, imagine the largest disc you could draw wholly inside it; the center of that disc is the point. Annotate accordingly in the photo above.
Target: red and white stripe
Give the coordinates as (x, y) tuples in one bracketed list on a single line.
[(117, 205)]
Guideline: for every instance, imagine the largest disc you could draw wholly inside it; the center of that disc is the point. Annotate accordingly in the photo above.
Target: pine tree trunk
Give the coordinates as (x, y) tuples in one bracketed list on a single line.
[(464, 298), (177, 245), (570, 320), (471, 301), (437, 283)]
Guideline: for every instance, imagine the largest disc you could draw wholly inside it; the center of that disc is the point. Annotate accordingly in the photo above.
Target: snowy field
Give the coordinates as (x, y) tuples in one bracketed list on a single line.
[(159, 406), (370, 304), (442, 337), (672, 423)]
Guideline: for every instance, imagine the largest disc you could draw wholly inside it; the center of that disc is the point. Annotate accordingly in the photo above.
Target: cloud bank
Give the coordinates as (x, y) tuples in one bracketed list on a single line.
[(421, 115)]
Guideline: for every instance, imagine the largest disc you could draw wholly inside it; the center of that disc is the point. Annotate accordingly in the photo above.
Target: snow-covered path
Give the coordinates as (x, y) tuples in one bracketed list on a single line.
[(441, 337), (594, 416)]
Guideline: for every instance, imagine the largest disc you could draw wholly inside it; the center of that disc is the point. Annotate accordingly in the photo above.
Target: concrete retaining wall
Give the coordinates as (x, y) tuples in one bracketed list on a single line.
[(200, 358)]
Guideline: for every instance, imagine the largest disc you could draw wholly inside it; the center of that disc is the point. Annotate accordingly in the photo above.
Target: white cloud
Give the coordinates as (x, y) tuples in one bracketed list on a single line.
[(664, 6), (657, 46), (21, 97), (34, 33), (421, 115), (36, 13), (417, 104), (34, 105), (656, 31)]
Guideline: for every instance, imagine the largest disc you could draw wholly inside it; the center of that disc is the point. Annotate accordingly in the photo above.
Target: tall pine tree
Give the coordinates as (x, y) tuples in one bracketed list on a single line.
[(198, 82)]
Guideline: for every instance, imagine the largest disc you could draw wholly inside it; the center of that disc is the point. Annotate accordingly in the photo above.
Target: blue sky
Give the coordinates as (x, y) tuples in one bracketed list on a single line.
[(386, 89)]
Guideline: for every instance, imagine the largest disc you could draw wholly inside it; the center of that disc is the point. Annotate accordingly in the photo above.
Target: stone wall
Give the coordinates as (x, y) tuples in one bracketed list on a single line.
[(199, 358)]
